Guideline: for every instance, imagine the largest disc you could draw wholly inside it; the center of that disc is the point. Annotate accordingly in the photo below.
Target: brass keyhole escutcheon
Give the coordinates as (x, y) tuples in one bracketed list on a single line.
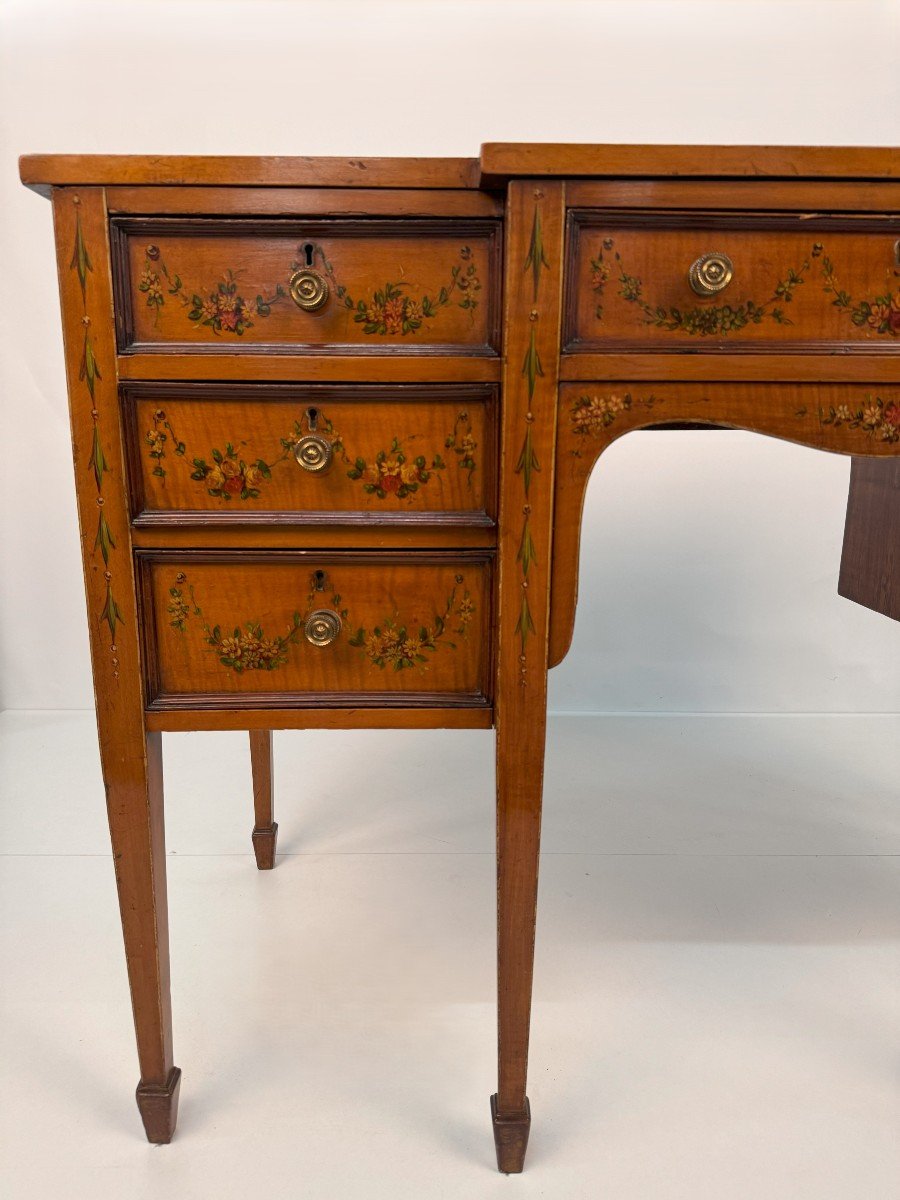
[(322, 627), (711, 273), (314, 453), (309, 289)]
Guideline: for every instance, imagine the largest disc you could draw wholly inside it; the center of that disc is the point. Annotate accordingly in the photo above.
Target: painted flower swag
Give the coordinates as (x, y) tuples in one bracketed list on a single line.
[(391, 644), (880, 314), (397, 471), (875, 417), (390, 311)]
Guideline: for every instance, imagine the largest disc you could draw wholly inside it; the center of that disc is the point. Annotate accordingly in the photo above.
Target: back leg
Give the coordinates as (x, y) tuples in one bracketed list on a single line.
[(265, 831)]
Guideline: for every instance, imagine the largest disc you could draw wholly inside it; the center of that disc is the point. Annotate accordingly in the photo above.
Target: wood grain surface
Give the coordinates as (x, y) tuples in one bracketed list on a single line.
[(398, 455)]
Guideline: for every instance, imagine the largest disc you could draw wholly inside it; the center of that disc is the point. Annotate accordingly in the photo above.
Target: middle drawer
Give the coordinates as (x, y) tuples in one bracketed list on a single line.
[(230, 454)]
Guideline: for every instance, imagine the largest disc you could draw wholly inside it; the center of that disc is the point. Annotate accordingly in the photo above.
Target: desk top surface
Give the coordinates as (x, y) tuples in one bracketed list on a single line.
[(499, 162)]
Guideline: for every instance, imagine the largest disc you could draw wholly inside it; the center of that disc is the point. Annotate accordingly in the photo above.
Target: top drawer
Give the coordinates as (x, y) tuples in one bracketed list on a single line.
[(729, 283), (336, 286)]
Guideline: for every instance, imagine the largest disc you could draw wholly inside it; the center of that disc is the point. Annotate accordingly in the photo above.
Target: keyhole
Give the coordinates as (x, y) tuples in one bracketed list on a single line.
[(319, 580), (312, 418), (309, 251)]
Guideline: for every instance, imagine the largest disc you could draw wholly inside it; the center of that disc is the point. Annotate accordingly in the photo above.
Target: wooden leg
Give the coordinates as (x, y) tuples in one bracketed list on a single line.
[(131, 758), (520, 763), (535, 230), (135, 807), (265, 830), (870, 563)]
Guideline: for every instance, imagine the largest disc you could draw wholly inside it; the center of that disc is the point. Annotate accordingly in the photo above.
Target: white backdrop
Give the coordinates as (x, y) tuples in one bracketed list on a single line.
[(709, 559)]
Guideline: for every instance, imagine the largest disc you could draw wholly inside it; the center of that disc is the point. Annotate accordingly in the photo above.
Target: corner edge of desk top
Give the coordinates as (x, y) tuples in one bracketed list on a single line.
[(501, 161), (41, 172)]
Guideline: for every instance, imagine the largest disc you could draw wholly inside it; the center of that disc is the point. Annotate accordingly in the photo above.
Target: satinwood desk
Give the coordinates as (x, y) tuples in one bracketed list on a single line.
[(333, 421)]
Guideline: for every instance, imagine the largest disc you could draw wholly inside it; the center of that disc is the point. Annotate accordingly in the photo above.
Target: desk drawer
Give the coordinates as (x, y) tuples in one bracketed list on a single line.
[(408, 286), (708, 282), (237, 628), (217, 454)]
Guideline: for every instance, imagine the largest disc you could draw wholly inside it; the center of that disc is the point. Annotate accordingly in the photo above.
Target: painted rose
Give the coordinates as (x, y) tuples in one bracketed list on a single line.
[(252, 475), (879, 314)]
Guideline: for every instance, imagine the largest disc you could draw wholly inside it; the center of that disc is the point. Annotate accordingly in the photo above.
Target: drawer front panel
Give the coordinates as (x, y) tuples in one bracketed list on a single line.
[(220, 454), (233, 628), (377, 286), (785, 283)]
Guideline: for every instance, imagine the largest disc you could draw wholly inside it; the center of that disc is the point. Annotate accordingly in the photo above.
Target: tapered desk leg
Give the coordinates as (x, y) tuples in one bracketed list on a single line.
[(265, 830), (535, 221), (135, 809), (520, 763), (130, 757)]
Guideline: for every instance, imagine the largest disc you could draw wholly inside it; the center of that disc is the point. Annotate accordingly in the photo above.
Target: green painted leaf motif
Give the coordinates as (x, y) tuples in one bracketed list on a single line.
[(81, 261), (528, 461), (525, 624), (536, 259), (526, 555), (98, 459), (531, 365), (104, 541), (111, 613), (89, 371)]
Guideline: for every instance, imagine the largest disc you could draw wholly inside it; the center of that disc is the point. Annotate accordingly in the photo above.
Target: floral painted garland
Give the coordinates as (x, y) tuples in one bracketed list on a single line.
[(881, 313), (877, 418), (389, 644), (393, 472), (388, 312)]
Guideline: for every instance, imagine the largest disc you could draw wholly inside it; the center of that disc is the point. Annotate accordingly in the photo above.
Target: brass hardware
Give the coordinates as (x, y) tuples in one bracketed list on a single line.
[(322, 627), (309, 289), (711, 273), (314, 453)]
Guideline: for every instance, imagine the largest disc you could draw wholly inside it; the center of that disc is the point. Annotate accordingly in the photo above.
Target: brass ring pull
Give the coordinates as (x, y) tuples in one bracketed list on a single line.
[(711, 273), (314, 453), (322, 627), (309, 290)]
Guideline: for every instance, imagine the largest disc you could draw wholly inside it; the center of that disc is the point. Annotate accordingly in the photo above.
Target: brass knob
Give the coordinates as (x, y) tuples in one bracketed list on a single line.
[(711, 273), (322, 627), (314, 453), (309, 289)]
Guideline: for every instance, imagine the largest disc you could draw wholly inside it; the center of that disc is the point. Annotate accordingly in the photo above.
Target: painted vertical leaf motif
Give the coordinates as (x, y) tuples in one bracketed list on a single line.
[(536, 262), (89, 374)]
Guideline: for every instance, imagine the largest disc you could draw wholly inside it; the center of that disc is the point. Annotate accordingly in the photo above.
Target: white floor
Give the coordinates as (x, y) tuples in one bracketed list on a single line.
[(717, 992)]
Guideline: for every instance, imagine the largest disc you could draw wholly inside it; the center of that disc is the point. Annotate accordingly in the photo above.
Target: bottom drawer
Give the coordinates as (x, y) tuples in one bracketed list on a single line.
[(242, 628)]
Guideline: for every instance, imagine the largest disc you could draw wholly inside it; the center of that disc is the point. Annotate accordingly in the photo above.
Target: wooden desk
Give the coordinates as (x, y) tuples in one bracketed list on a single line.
[(333, 421)]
